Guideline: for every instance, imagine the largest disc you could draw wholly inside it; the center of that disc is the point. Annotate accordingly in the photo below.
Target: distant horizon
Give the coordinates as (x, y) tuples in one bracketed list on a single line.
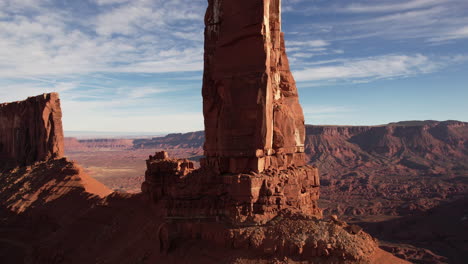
[(122, 65), (134, 134)]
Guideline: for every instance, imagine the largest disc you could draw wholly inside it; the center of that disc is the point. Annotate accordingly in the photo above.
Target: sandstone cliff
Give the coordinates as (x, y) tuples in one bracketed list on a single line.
[(31, 130)]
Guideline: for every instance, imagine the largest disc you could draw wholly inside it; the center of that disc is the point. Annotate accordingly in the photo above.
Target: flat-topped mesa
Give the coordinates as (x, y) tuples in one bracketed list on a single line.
[(31, 130), (253, 119)]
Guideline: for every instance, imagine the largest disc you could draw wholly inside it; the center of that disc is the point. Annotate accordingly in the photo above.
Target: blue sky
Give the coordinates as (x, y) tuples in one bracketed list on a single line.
[(136, 65)]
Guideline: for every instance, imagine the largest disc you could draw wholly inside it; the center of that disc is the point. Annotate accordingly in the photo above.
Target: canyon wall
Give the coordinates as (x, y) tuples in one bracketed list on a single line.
[(31, 130), (413, 147)]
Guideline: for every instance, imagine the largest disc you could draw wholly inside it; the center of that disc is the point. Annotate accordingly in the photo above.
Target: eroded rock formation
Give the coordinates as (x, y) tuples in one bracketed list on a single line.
[(254, 165), (238, 199), (253, 190), (253, 119), (31, 130)]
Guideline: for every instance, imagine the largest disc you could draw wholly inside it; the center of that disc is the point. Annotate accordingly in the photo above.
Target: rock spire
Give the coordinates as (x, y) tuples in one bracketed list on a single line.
[(253, 119)]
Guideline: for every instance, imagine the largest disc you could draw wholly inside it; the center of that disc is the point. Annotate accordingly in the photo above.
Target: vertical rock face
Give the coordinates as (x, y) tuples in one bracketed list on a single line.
[(253, 119), (254, 165), (31, 130)]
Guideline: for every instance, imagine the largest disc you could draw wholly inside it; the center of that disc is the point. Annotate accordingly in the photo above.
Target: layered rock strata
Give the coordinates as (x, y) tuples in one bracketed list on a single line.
[(253, 119), (238, 199), (31, 130)]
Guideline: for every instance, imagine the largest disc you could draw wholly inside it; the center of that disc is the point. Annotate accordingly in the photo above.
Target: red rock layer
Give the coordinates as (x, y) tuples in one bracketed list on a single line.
[(235, 198), (253, 119), (31, 130)]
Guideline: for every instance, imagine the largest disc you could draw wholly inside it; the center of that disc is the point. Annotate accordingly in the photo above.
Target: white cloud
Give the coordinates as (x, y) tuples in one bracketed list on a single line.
[(388, 66), (418, 17), (426, 24), (20, 91), (394, 20), (311, 43), (387, 6), (126, 114), (140, 15), (126, 20), (141, 92), (461, 33), (138, 36), (110, 2), (21, 5)]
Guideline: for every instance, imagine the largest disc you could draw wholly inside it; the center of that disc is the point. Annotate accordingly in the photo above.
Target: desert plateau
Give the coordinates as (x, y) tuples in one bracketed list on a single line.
[(258, 180)]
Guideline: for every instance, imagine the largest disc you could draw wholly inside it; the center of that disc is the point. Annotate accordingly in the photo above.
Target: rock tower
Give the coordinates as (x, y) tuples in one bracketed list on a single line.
[(253, 119), (254, 165)]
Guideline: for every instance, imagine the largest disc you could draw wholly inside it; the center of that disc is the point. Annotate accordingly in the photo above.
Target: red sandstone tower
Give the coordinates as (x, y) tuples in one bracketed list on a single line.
[(254, 166), (253, 119)]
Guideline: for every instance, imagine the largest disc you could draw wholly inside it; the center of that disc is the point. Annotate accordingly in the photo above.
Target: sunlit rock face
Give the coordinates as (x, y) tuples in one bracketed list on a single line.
[(254, 165), (253, 119), (31, 130)]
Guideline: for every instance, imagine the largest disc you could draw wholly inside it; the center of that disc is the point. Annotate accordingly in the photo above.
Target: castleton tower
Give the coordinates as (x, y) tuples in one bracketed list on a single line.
[(254, 166), (253, 119)]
